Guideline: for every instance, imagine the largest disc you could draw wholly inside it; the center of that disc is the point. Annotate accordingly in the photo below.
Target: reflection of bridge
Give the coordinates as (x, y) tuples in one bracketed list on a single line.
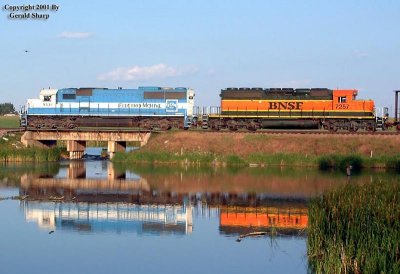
[(77, 184)]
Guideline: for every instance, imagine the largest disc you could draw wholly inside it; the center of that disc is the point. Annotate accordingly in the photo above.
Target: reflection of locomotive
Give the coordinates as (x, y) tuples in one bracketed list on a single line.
[(286, 219), (164, 108), (254, 108), (110, 217), (145, 107)]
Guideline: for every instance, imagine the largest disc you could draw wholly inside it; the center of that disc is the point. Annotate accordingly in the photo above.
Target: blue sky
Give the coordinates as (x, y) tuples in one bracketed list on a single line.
[(206, 45)]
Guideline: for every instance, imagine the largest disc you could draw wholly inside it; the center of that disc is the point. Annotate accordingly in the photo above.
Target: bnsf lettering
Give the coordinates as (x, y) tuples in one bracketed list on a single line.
[(285, 105)]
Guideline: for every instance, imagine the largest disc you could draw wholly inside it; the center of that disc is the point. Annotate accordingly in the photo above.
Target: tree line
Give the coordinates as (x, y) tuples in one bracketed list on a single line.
[(6, 108)]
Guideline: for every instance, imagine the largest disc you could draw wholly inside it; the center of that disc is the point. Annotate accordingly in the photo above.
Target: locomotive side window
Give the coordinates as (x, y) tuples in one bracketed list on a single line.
[(342, 99), (84, 92), (175, 95), (47, 98), (153, 95), (69, 96), (164, 95)]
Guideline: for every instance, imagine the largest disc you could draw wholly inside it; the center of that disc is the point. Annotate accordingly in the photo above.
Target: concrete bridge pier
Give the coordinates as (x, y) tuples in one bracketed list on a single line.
[(76, 170), (76, 149), (113, 174), (115, 146)]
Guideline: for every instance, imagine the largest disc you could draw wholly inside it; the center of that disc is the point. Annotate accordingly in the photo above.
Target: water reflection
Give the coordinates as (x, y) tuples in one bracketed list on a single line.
[(95, 207), (280, 220), (96, 196), (110, 217)]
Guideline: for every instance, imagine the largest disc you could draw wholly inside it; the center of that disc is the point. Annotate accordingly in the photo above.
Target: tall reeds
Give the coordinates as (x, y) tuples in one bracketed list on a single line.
[(356, 229), (30, 154)]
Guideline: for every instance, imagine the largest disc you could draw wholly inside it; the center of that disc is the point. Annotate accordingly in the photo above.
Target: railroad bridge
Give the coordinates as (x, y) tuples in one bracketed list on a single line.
[(77, 140)]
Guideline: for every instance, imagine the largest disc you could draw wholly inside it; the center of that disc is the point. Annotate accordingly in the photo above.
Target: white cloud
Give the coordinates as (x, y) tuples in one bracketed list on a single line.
[(138, 73), (75, 35), (360, 54), (211, 72)]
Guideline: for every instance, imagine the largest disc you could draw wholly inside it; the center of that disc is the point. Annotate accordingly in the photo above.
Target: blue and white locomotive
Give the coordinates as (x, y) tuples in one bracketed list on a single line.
[(145, 107)]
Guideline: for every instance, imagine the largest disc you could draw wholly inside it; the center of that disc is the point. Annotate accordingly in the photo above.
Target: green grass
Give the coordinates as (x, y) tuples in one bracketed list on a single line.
[(340, 162), (10, 173), (282, 159), (159, 157), (356, 229), (334, 161), (12, 150), (9, 121), (30, 154)]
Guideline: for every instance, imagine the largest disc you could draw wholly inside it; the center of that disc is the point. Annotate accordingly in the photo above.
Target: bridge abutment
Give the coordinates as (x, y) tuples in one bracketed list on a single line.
[(76, 149), (115, 146), (76, 140)]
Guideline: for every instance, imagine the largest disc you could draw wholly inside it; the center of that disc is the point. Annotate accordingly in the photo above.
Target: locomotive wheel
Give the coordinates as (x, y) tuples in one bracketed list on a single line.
[(215, 125), (232, 125), (252, 126), (145, 125), (332, 127), (370, 128), (353, 127), (164, 125)]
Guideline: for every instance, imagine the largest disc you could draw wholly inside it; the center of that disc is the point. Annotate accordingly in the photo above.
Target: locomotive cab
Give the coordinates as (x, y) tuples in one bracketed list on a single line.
[(190, 106), (342, 98), (48, 96)]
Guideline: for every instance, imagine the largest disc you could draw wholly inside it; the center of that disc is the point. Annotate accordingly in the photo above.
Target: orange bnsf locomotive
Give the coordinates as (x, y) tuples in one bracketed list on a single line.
[(257, 108)]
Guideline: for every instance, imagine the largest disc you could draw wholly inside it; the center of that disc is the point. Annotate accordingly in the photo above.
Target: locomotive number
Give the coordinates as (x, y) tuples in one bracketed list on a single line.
[(342, 106)]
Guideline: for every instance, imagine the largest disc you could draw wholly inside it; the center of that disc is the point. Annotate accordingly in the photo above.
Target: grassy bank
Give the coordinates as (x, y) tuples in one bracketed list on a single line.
[(12, 150), (9, 121), (333, 161), (30, 155), (208, 158), (356, 229), (324, 151)]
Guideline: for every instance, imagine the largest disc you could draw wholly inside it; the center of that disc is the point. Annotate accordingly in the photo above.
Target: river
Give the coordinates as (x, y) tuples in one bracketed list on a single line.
[(95, 217)]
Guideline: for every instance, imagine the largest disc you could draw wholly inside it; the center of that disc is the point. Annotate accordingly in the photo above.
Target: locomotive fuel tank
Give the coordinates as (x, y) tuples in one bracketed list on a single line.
[(290, 124)]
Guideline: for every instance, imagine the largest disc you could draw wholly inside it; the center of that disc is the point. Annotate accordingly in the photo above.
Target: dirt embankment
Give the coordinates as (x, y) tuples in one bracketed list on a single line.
[(244, 144), (3, 132)]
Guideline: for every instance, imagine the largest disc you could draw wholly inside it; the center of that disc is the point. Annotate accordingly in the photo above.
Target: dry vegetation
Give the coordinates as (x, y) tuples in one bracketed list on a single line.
[(244, 144)]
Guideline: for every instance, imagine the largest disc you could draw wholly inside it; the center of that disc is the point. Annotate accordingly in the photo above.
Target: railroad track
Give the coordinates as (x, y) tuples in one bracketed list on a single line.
[(264, 131), (315, 132)]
